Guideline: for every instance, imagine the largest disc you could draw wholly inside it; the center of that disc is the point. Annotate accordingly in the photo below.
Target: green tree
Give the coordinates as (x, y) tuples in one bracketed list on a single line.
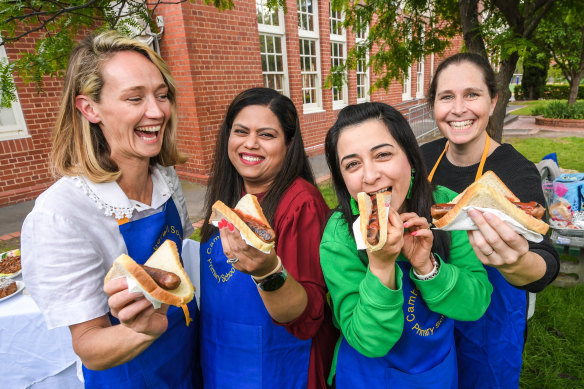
[(561, 34), (492, 28), (57, 24), (535, 69)]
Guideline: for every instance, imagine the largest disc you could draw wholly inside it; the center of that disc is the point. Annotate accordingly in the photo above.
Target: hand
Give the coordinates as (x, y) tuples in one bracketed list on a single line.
[(250, 260), (417, 242), (133, 310), (394, 243), (495, 242)]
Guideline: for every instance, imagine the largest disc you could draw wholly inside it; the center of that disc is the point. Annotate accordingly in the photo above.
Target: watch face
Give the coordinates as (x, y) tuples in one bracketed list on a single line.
[(273, 282)]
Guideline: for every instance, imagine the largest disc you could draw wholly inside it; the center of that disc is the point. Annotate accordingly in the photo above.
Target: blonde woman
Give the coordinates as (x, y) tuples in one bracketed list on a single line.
[(115, 147)]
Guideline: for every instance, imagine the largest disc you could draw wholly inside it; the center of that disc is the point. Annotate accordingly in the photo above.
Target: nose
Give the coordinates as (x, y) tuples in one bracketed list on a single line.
[(154, 109), (459, 106), (370, 173), (251, 140)]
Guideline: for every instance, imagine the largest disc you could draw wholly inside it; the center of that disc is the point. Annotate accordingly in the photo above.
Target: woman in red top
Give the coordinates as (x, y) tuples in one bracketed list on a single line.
[(258, 334)]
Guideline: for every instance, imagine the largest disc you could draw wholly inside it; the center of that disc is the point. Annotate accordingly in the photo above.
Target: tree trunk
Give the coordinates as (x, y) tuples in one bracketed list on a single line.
[(471, 32), (574, 85), (506, 69)]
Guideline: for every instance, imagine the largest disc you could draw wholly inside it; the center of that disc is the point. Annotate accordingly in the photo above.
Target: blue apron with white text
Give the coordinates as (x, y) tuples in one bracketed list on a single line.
[(241, 347), (172, 360), (424, 357), (490, 349)]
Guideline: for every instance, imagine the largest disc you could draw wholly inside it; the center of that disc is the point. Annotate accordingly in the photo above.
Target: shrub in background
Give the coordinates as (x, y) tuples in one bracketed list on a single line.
[(550, 92), (561, 110)]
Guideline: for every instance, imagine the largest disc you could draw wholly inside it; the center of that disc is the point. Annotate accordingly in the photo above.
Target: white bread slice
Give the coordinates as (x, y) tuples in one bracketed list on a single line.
[(166, 258), (492, 180), (485, 195), (365, 206), (249, 206)]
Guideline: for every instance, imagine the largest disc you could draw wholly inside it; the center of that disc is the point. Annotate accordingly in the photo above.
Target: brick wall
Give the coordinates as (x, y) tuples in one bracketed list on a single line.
[(24, 162), (213, 55)]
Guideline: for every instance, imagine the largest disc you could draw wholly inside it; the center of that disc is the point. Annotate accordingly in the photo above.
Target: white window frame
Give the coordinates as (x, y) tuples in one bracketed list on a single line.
[(278, 31), (359, 39), (313, 36), (17, 130), (420, 78), (407, 87), (339, 40)]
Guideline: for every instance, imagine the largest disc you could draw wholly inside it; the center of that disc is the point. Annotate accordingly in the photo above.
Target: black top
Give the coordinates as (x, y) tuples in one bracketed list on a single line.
[(521, 177)]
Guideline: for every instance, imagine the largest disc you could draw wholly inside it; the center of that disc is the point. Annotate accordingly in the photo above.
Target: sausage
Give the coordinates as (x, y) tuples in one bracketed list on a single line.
[(262, 231), (373, 225), (164, 279), (532, 208)]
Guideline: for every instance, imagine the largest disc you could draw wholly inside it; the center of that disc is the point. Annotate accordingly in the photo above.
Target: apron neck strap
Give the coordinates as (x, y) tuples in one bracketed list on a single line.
[(481, 164)]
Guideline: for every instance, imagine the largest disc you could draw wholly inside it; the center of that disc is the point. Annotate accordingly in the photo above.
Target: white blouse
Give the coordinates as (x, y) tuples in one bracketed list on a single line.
[(71, 238)]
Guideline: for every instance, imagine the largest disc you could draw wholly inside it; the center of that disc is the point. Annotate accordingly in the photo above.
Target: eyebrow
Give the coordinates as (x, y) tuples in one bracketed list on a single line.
[(465, 91), (372, 149), (247, 128), (141, 88)]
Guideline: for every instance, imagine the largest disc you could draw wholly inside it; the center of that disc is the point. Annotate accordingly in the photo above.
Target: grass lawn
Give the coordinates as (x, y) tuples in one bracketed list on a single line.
[(568, 150)]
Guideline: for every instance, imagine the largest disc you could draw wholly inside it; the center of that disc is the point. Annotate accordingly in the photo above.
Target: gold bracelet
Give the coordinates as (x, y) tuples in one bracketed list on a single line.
[(276, 270)]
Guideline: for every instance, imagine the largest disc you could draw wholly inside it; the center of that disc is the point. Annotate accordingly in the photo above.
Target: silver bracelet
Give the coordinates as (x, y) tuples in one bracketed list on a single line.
[(430, 275)]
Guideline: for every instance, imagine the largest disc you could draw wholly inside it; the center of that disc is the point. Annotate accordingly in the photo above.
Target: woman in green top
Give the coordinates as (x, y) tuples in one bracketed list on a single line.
[(395, 307)]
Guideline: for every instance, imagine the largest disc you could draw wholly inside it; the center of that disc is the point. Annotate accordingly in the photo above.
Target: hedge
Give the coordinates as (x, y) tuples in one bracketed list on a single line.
[(551, 92)]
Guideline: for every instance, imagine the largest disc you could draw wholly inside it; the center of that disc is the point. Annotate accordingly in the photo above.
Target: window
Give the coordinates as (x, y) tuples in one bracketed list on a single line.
[(407, 88), (12, 124), (362, 69), (420, 78), (309, 55), (272, 47), (338, 55)]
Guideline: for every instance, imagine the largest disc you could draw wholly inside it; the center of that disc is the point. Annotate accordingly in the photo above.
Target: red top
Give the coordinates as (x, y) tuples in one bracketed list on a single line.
[(298, 223)]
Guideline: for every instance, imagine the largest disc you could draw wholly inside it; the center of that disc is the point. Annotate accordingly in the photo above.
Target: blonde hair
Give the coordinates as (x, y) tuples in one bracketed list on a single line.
[(79, 147)]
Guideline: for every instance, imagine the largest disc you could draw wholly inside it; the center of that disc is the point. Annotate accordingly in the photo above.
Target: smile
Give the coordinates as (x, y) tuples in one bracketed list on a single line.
[(149, 133), (462, 125), (251, 159), (388, 189)]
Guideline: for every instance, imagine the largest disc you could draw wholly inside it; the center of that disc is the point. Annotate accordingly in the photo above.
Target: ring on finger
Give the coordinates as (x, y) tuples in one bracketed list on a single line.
[(492, 251), (232, 260)]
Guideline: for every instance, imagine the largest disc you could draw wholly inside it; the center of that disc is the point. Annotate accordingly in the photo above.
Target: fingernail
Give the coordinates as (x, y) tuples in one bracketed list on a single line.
[(230, 226), (221, 224), (414, 233), (406, 225)]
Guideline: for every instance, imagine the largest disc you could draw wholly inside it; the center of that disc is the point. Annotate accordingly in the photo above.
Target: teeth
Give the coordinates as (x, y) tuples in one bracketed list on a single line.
[(249, 158), (149, 129), (459, 125), (380, 191)]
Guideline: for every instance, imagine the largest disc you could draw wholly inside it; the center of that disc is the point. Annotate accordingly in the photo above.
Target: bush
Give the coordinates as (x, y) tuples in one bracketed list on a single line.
[(561, 110), (551, 92)]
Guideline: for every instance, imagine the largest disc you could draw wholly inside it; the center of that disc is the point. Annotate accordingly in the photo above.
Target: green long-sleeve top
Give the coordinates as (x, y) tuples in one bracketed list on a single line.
[(369, 314)]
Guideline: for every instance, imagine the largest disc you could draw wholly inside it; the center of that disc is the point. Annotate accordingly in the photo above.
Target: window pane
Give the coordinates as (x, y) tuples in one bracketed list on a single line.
[(270, 44)]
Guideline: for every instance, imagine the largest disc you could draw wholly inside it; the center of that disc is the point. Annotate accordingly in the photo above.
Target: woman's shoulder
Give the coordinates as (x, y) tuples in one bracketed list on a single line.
[(301, 191), (335, 228), (66, 195)]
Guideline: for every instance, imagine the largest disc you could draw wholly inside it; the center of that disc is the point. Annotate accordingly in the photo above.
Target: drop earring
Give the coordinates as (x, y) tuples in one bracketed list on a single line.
[(409, 195)]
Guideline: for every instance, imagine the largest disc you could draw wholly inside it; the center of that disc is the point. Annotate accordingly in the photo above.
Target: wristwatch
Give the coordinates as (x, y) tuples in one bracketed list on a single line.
[(273, 281)]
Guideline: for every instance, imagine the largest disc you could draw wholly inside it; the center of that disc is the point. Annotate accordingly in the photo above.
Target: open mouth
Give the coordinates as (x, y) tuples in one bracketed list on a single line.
[(251, 159), (461, 125), (148, 134), (388, 189)]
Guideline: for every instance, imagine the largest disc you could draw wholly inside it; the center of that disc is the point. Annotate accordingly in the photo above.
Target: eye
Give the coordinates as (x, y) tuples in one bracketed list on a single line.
[(351, 165), (134, 99), (162, 97), (445, 98), (383, 155), (239, 131), (267, 135), (472, 95)]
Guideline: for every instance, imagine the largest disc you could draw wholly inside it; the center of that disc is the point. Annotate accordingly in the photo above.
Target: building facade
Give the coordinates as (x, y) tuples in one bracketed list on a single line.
[(213, 56)]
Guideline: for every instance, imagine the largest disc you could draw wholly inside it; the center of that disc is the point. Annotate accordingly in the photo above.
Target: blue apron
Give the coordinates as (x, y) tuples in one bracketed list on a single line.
[(424, 357), (490, 349), (240, 345), (172, 360)]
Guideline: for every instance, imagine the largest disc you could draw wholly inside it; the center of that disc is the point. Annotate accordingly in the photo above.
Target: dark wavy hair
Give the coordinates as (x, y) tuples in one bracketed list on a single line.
[(421, 200), (475, 59), (226, 184)]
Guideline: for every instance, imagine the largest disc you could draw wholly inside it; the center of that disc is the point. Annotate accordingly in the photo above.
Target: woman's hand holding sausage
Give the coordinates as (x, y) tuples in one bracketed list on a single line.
[(249, 259), (134, 310), (418, 239)]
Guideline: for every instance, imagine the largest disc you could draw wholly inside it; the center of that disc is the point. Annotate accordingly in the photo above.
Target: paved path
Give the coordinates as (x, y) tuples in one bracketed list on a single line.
[(12, 217)]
